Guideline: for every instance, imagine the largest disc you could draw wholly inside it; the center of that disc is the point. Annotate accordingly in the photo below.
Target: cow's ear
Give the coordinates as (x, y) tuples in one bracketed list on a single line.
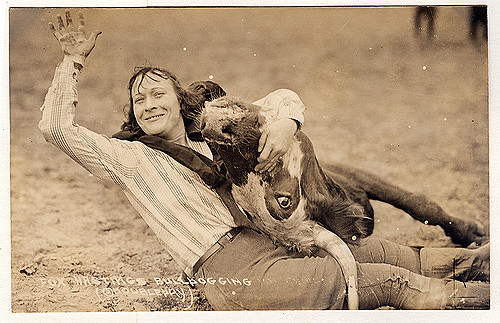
[(313, 184), (328, 203)]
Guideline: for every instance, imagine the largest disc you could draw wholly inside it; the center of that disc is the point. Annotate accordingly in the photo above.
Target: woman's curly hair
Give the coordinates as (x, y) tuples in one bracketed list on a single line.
[(191, 102)]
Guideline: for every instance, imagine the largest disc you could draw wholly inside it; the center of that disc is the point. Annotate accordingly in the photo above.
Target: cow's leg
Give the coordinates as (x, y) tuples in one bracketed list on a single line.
[(461, 231)]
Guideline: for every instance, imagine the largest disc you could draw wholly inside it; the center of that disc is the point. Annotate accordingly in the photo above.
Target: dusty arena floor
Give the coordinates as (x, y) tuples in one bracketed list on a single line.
[(413, 112)]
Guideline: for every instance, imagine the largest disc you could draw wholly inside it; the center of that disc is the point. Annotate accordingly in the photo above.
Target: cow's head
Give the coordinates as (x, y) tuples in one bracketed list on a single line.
[(286, 202)]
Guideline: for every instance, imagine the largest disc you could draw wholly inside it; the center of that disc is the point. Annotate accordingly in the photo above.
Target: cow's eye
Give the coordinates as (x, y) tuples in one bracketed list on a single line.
[(284, 201)]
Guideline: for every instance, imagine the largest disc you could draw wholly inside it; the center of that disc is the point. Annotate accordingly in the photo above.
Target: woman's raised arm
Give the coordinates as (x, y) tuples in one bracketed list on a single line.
[(105, 158)]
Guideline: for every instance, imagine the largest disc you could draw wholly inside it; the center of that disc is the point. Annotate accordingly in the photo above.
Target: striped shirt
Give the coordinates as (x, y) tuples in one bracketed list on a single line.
[(186, 215)]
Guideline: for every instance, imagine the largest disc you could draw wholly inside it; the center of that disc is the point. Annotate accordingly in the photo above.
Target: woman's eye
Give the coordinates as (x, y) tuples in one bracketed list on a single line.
[(138, 100), (284, 202), (158, 94)]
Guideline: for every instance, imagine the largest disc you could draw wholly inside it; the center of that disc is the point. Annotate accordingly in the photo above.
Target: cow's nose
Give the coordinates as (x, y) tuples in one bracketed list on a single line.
[(227, 128)]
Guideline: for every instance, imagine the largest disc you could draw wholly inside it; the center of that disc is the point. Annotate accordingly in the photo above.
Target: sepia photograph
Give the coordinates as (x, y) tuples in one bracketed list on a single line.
[(249, 158)]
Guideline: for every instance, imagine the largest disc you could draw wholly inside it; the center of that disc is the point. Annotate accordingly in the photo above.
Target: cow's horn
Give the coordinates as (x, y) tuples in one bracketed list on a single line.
[(339, 250)]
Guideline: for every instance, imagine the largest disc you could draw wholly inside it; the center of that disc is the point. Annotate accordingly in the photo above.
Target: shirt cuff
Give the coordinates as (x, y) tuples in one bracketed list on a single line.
[(65, 79), (292, 113), (68, 70), (291, 108), (77, 59)]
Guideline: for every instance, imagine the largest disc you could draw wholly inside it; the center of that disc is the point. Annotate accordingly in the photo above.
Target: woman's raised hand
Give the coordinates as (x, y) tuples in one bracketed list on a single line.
[(73, 41)]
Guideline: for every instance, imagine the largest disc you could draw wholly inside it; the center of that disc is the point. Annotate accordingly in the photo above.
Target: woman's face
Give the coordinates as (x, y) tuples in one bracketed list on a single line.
[(156, 107)]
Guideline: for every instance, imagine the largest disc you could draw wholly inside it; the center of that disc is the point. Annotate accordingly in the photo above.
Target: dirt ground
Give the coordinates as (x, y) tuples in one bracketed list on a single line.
[(412, 111)]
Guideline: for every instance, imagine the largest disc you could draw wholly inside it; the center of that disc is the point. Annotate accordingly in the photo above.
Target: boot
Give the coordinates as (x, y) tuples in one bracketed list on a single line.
[(386, 285), (467, 295), (456, 263)]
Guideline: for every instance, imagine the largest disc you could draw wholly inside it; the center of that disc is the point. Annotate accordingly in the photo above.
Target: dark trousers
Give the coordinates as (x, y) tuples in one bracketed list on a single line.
[(251, 273)]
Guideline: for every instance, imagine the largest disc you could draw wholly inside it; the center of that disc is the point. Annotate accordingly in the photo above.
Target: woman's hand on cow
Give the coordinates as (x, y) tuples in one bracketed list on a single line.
[(73, 40), (274, 143)]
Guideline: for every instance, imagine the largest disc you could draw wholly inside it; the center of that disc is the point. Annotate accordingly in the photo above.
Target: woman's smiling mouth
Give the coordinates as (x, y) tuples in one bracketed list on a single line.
[(152, 118)]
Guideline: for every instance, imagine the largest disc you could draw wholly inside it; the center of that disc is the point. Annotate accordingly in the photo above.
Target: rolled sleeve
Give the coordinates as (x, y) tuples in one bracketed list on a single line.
[(287, 103)]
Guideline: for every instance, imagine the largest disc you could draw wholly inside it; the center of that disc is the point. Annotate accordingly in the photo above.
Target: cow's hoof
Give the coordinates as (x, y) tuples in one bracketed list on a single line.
[(465, 232)]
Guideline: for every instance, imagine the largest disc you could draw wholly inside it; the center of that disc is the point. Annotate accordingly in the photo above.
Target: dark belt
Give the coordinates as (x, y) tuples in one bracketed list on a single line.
[(221, 243)]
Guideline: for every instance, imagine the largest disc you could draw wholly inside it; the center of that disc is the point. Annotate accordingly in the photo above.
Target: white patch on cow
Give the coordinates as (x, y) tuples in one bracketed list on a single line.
[(225, 113), (292, 159), (251, 197), (294, 232)]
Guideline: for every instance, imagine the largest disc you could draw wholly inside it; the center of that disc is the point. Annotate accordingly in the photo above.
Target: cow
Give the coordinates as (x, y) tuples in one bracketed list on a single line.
[(299, 189), (302, 206)]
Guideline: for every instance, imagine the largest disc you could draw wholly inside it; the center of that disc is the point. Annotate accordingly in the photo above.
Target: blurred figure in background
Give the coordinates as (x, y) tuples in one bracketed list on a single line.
[(424, 12), (478, 16)]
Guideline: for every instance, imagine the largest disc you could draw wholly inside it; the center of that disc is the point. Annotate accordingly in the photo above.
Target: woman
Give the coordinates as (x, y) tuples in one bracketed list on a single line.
[(180, 199)]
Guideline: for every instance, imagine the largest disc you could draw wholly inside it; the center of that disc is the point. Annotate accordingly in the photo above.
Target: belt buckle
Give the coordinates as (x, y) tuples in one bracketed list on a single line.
[(229, 237), (231, 234)]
